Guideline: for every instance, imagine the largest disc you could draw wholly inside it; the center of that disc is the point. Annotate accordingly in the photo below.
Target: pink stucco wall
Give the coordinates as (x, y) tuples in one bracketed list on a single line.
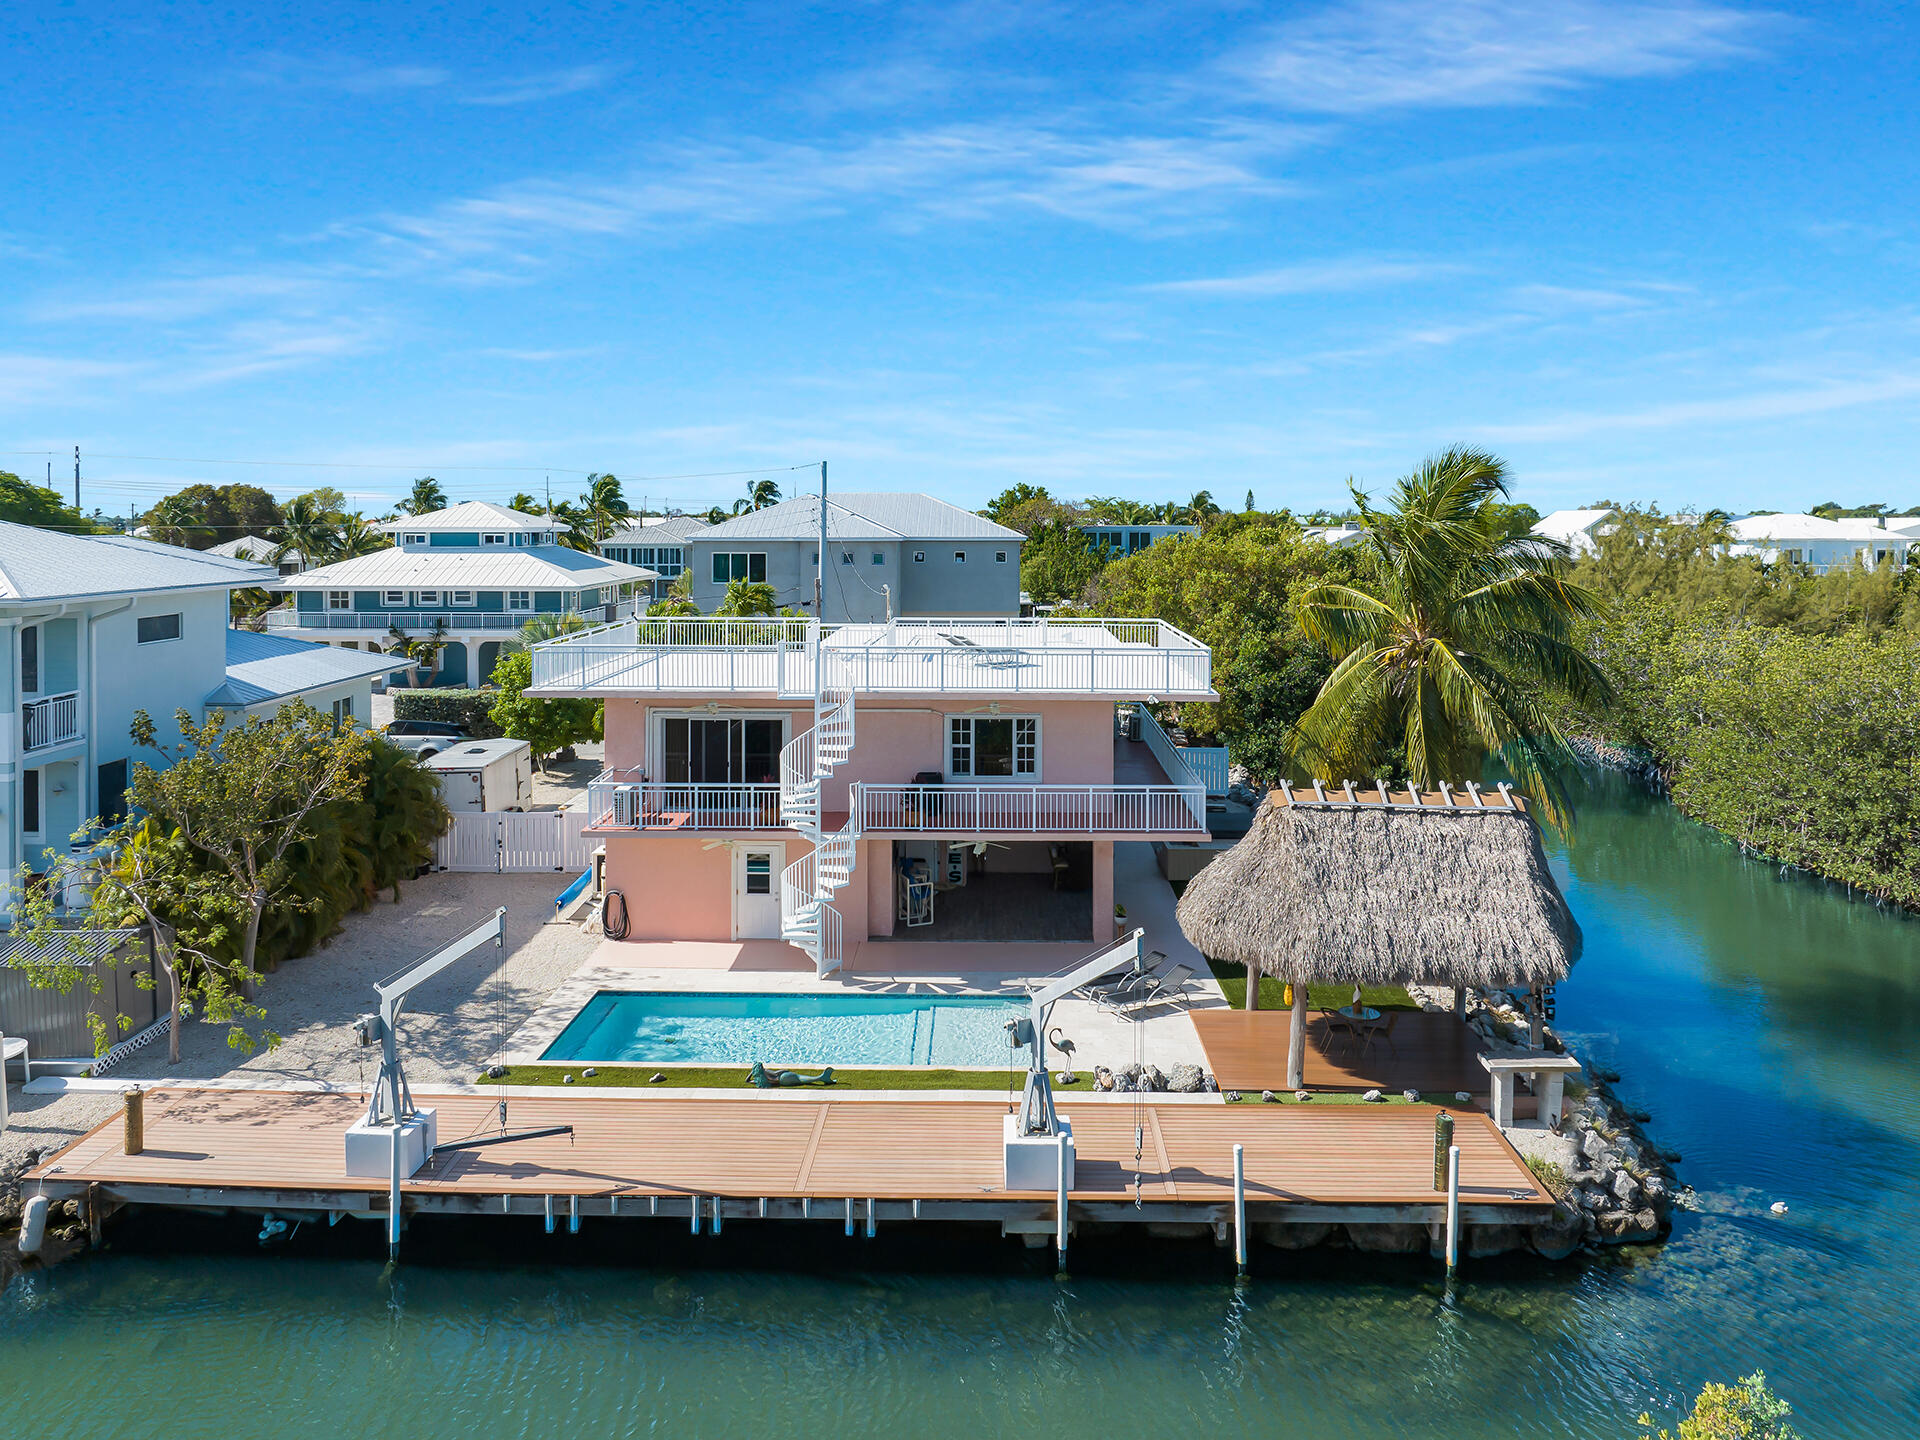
[(678, 889)]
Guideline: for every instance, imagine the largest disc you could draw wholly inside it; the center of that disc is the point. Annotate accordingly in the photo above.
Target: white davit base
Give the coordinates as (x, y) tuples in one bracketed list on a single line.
[(1033, 1161), (370, 1147)]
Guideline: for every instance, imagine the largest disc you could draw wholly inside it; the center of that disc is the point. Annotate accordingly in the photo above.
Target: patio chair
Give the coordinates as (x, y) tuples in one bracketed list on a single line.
[(1337, 1024), (1161, 987), (1381, 1029)]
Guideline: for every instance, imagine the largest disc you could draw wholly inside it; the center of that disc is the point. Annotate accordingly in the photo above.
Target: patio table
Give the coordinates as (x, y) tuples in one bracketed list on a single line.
[(1360, 1012)]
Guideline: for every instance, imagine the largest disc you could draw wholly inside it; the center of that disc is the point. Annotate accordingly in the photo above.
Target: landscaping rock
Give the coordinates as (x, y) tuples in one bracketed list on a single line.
[(1303, 1096), (1371, 1096), (1232, 1096), (1102, 1078), (1461, 1097), (1593, 1145), (1154, 1079), (1625, 1188), (658, 1077), (1559, 1235), (1412, 1097), (1186, 1079), (1484, 1240), (1269, 1097)]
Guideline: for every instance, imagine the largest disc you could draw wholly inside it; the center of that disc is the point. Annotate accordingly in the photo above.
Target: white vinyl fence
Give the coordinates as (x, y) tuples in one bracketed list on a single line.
[(499, 841)]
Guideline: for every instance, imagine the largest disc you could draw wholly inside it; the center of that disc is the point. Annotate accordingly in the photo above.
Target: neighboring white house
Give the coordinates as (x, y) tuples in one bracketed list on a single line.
[(1821, 544), (93, 628), (260, 550), (482, 569), (1338, 536), (657, 543), (264, 672), (1578, 530)]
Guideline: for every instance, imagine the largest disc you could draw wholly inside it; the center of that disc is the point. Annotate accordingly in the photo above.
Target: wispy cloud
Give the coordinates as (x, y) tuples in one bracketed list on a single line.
[(170, 300), (1312, 277), (954, 172), (549, 85), (1775, 404), (1389, 54)]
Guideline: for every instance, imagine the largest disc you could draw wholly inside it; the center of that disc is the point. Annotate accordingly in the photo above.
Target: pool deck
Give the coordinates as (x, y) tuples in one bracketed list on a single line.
[(787, 1154)]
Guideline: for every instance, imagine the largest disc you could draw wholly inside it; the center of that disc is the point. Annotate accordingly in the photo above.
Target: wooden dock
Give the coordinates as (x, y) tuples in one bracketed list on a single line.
[(1247, 1051), (786, 1155)]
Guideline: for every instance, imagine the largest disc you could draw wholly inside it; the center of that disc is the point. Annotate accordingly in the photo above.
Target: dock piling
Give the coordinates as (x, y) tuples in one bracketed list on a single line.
[(136, 1126), (1060, 1207), (573, 1215), (873, 1217), (1453, 1209), (549, 1200), (1240, 1208), (693, 1209), (716, 1214), (849, 1217), (393, 1191)]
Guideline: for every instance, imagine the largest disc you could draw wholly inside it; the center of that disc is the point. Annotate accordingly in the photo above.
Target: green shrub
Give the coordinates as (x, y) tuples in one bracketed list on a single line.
[(465, 708)]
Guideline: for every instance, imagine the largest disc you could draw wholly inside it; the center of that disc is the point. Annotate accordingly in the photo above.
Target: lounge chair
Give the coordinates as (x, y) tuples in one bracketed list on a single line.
[(1112, 987), (1161, 987)]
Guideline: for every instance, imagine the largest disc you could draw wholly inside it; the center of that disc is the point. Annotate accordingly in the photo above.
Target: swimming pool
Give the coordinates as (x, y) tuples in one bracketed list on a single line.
[(650, 1027)]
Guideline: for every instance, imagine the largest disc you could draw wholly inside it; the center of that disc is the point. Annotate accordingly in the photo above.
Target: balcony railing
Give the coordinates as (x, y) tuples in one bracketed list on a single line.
[(1034, 809), (1122, 658), (52, 721), (462, 618), (619, 800)]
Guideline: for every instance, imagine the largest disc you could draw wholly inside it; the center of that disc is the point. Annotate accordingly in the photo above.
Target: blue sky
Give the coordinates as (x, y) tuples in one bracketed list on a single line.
[(1660, 251)]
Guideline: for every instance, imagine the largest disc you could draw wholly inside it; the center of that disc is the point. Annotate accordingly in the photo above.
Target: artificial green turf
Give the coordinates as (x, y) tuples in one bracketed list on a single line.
[(1233, 984), (734, 1077), (1346, 1097)]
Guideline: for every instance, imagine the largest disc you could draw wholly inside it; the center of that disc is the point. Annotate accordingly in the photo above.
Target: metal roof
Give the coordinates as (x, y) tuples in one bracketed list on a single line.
[(258, 547), (38, 564), (542, 567), (862, 517), (271, 667), (471, 515), (80, 947), (654, 530), (474, 754), (1788, 526)]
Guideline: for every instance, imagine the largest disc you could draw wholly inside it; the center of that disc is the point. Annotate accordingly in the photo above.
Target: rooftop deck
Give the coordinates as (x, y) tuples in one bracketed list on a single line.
[(786, 1145), (1121, 658)]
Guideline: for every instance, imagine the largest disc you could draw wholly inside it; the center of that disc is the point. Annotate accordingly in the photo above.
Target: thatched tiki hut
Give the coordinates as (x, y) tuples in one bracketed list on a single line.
[(1359, 888)]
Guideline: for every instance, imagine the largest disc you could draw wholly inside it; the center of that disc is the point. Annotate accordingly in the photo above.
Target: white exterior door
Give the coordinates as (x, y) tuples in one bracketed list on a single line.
[(756, 891)]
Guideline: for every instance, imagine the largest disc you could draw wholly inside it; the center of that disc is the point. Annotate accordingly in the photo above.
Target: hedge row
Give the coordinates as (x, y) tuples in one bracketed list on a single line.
[(465, 708)]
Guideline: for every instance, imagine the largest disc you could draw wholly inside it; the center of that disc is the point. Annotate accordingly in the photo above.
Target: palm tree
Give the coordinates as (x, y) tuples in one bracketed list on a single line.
[(1444, 643), (175, 521), (307, 531), (524, 503), (1197, 511), (606, 509), (358, 537), (425, 497), (1116, 511), (574, 525), (760, 494)]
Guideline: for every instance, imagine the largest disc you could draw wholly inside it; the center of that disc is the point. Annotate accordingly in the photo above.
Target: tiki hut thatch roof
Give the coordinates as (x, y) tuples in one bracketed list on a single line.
[(1449, 888)]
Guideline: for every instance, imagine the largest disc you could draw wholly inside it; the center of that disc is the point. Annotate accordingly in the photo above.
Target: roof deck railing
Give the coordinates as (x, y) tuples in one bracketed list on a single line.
[(1079, 656)]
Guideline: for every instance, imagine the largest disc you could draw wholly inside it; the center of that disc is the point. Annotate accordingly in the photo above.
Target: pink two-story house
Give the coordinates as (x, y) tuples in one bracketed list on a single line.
[(908, 780)]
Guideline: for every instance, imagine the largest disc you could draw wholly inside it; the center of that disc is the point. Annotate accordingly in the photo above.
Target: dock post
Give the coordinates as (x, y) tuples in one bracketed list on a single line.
[(1240, 1208), (573, 1215), (1060, 1207), (694, 1210), (763, 1207), (136, 1124), (549, 1214), (849, 1217), (1453, 1210), (393, 1192), (613, 1203), (716, 1214), (873, 1217)]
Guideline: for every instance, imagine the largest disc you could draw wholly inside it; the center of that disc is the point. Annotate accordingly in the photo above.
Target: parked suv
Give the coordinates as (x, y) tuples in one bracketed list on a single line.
[(425, 737)]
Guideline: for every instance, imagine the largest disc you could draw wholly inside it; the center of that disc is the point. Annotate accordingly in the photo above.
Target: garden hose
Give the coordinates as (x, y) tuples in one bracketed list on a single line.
[(613, 915)]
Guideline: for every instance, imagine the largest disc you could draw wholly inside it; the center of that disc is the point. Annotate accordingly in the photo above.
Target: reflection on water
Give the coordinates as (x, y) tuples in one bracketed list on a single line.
[(1762, 1021)]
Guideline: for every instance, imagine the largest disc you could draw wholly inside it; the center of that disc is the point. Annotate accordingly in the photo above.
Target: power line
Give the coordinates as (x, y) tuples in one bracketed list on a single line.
[(421, 465)]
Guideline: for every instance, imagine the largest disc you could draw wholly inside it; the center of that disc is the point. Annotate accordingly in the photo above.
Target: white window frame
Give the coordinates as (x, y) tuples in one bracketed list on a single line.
[(519, 600), (656, 730), (179, 628), (413, 539), (342, 713), (339, 600), (422, 602), (967, 777), (460, 597), (394, 599), (493, 537)]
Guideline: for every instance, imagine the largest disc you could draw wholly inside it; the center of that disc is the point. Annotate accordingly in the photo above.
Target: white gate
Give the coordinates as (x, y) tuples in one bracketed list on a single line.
[(508, 841)]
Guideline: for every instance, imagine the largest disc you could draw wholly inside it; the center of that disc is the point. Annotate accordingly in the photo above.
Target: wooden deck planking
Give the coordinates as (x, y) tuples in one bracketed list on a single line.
[(1247, 1050), (750, 1147)]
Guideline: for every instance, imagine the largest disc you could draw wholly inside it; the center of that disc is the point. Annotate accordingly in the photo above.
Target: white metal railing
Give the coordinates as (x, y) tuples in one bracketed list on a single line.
[(1030, 809), (51, 721), (459, 618), (1071, 657), (618, 799), (1162, 748)]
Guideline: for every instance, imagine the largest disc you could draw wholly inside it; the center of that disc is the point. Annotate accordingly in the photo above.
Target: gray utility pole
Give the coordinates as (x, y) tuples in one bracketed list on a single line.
[(820, 565), (76, 477)]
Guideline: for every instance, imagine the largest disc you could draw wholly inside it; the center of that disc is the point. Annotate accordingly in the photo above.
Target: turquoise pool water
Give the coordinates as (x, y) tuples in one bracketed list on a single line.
[(651, 1027)]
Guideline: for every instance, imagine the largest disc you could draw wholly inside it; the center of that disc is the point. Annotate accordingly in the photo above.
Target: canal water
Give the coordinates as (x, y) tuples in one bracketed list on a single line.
[(1766, 1022)]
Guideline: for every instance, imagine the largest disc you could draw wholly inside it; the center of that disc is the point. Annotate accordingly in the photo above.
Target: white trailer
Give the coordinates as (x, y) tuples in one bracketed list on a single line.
[(484, 774)]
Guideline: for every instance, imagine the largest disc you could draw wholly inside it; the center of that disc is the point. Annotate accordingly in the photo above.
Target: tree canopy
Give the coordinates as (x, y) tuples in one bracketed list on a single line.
[(205, 515), (24, 503)]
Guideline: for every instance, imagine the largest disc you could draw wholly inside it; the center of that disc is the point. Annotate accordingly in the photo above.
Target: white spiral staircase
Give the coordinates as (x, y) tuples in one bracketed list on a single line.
[(807, 887)]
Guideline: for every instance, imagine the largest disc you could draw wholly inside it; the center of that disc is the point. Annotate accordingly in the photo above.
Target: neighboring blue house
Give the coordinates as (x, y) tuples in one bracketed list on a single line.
[(1131, 539), (95, 627), (482, 569)]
